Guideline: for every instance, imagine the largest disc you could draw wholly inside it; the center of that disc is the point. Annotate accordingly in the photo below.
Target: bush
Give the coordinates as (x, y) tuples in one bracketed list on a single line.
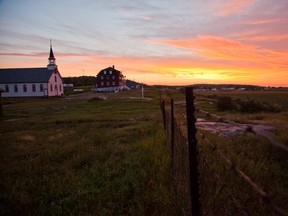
[(225, 103), (250, 106)]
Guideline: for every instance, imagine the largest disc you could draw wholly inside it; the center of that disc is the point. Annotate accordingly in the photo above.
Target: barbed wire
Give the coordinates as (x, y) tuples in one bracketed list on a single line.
[(265, 196), (224, 187)]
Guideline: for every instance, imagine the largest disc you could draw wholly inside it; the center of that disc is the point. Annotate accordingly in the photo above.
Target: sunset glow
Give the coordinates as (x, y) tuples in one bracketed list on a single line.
[(156, 42)]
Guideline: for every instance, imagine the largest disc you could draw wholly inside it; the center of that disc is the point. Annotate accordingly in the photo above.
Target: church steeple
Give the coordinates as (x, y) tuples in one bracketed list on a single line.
[(51, 60)]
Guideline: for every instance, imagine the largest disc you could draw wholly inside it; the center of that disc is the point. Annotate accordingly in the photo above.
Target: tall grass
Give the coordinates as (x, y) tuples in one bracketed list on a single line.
[(64, 156), (265, 164)]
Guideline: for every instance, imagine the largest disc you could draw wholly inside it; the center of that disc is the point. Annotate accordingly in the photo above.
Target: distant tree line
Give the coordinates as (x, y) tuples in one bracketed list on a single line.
[(80, 81)]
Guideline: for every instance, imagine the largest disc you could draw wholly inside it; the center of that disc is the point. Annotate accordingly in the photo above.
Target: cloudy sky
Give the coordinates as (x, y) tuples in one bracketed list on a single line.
[(153, 41)]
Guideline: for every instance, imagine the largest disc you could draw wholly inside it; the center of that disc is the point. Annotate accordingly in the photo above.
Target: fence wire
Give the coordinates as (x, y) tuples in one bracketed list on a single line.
[(234, 167), (180, 162), (216, 195)]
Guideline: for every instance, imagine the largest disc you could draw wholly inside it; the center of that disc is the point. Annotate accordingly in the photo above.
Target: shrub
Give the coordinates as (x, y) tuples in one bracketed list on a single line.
[(225, 103), (252, 106)]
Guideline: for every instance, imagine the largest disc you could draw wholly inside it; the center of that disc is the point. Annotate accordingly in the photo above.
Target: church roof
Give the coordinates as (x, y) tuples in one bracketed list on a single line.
[(25, 75)]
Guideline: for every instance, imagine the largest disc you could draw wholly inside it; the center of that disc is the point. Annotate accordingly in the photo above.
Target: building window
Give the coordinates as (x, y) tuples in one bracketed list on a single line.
[(51, 88), (60, 87), (110, 72), (108, 83), (113, 83), (15, 88), (41, 88), (104, 72), (24, 88), (113, 77), (102, 83), (6, 88), (55, 78), (102, 77), (34, 88)]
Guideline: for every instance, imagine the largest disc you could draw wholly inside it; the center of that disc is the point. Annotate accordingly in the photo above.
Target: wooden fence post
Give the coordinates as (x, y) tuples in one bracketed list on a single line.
[(172, 133), (163, 113), (192, 151), (1, 107)]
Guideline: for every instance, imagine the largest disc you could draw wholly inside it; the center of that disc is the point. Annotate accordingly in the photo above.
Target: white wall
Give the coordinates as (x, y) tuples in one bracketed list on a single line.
[(21, 92), (55, 86)]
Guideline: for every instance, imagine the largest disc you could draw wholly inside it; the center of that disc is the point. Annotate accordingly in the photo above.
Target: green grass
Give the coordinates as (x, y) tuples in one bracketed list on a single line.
[(265, 164), (84, 157), (258, 159), (63, 156)]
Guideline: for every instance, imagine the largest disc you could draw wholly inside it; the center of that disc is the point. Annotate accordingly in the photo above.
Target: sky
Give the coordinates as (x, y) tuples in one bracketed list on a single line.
[(171, 42)]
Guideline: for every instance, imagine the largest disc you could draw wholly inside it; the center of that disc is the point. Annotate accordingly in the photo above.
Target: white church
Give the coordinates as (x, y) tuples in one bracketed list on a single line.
[(32, 82)]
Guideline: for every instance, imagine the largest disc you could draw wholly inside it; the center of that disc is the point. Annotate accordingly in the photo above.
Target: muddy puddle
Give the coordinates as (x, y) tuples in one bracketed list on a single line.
[(232, 128)]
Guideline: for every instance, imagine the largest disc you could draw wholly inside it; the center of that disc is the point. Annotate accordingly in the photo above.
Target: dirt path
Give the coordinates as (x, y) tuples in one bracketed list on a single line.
[(88, 95)]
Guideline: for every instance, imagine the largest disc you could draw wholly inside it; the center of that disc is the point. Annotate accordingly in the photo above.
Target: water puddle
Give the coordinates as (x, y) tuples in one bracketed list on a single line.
[(232, 128)]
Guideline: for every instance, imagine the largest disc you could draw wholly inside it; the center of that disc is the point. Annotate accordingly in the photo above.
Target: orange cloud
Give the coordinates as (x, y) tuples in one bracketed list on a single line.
[(213, 47), (214, 60)]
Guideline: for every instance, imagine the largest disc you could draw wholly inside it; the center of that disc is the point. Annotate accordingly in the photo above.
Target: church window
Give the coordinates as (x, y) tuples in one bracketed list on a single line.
[(51, 88), (6, 88), (24, 88), (55, 78), (34, 88), (41, 88), (15, 88)]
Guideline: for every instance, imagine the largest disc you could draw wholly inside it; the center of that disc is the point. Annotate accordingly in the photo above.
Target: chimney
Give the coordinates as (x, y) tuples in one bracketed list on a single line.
[(113, 66)]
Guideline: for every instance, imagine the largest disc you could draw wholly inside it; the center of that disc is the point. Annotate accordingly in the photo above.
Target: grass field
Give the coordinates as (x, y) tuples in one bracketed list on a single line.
[(82, 155), (73, 156), (265, 164)]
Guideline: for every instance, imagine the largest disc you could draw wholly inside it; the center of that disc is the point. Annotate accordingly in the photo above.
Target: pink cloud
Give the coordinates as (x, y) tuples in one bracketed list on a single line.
[(45, 54), (228, 7), (261, 22), (268, 38)]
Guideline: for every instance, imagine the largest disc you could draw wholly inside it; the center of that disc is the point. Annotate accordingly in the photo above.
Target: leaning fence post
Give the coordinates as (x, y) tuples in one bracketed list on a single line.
[(192, 151)]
